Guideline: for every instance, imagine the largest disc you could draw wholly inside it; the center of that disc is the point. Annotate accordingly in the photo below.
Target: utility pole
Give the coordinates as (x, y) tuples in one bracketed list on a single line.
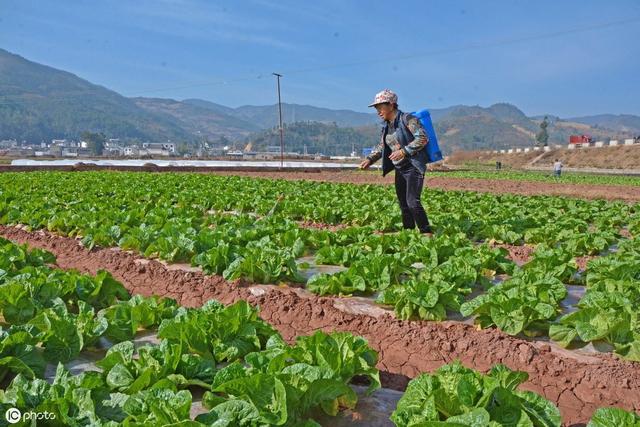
[(280, 116)]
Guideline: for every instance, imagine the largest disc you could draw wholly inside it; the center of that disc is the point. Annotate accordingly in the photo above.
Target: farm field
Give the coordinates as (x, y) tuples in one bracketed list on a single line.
[(512, 182), (567, 177), (545, 285)]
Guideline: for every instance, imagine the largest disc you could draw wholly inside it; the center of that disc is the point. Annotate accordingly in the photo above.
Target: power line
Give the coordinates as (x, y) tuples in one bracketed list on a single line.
[(6, 100)]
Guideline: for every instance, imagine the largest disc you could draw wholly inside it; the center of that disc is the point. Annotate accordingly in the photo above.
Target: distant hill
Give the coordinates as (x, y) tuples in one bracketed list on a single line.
[(38, 102), (199, 119), (473, 128), (267, 116), (620, 122), (317, 137), (504, 126)]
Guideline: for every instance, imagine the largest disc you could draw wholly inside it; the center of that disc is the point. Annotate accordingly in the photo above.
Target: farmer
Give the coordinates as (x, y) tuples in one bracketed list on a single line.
[(401, 147), (557, 168)]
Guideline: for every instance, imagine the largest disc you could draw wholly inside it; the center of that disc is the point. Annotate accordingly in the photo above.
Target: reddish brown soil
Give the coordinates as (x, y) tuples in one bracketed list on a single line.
[(621, 157), (322, 226), (624, 232), (444, 182), (577, 384), (518, 254), (583, 260)]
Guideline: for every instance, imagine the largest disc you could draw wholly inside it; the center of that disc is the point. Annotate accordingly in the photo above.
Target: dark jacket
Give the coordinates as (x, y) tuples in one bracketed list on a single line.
[(418, 158)]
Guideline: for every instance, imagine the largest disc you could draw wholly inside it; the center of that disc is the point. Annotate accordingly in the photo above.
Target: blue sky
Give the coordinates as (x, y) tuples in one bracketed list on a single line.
[(562, 57)]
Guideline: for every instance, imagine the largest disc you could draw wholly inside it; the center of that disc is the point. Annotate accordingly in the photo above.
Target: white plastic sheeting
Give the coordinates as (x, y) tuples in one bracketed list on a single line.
[(188, 163)]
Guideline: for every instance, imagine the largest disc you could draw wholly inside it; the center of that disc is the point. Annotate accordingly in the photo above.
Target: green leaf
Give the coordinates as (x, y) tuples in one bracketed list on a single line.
[(265, 391), (232, 413), (119, 377), (541, 411), (477, 418), (562, 334), (614, 417)]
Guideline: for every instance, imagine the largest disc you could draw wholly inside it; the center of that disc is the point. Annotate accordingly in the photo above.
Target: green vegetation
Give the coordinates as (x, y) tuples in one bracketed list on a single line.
[(95, 141), (567, 177), (249, 374), (543, 136), (464, 397), (607, 311), (328, 139), (614, 417), (246, 228)]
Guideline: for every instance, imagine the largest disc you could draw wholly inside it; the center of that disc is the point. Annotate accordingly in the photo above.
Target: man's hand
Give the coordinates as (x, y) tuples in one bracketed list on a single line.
[(397, 155), (365, 164)]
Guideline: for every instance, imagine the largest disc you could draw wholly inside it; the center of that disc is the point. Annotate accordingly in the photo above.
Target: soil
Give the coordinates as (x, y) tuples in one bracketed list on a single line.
[(518, 254), (583, 260), (322, 226), (621, 157), (578, 384)]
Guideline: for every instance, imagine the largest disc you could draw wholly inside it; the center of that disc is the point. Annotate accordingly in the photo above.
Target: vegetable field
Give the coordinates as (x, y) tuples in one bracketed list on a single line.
[(568, 177), (270, 302)]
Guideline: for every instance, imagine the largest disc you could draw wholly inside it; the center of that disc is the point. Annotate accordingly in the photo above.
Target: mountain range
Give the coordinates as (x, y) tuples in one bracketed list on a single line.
[(38, 102)]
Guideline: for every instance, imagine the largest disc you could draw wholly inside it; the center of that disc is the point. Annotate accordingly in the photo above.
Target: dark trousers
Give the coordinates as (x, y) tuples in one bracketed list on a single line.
[(409, 182)]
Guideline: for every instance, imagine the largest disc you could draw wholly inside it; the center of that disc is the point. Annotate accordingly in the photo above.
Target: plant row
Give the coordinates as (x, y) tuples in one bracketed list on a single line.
[(567, 177)]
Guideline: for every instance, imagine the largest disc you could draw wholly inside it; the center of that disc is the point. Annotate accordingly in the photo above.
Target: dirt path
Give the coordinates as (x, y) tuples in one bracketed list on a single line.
[(444, 182), (577, 384)]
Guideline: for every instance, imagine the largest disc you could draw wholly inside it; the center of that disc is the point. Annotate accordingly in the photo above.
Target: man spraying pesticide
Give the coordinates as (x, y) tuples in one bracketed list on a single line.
[(406, 146)]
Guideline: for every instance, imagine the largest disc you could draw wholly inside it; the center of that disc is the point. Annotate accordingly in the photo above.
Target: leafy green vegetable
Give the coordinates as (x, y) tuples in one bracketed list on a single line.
[(523, 303), (218, 332), (125, 318), (614, 417), (461, 396)]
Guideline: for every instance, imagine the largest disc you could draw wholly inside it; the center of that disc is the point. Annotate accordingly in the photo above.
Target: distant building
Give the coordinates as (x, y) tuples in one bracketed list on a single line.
[(112, 147), (8, 143), (69, 152), (65, 143), (114, 150), (158, 149), (235, 153), (131, 151), (55, 150)]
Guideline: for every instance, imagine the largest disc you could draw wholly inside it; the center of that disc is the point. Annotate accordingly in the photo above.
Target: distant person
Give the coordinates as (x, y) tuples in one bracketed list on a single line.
[(498, 165), (557, 168), (401, 147)]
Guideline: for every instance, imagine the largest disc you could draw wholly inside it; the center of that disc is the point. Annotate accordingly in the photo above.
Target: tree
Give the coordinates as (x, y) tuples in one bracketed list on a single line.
[(95, 141), (183, 148), (543, 136)]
